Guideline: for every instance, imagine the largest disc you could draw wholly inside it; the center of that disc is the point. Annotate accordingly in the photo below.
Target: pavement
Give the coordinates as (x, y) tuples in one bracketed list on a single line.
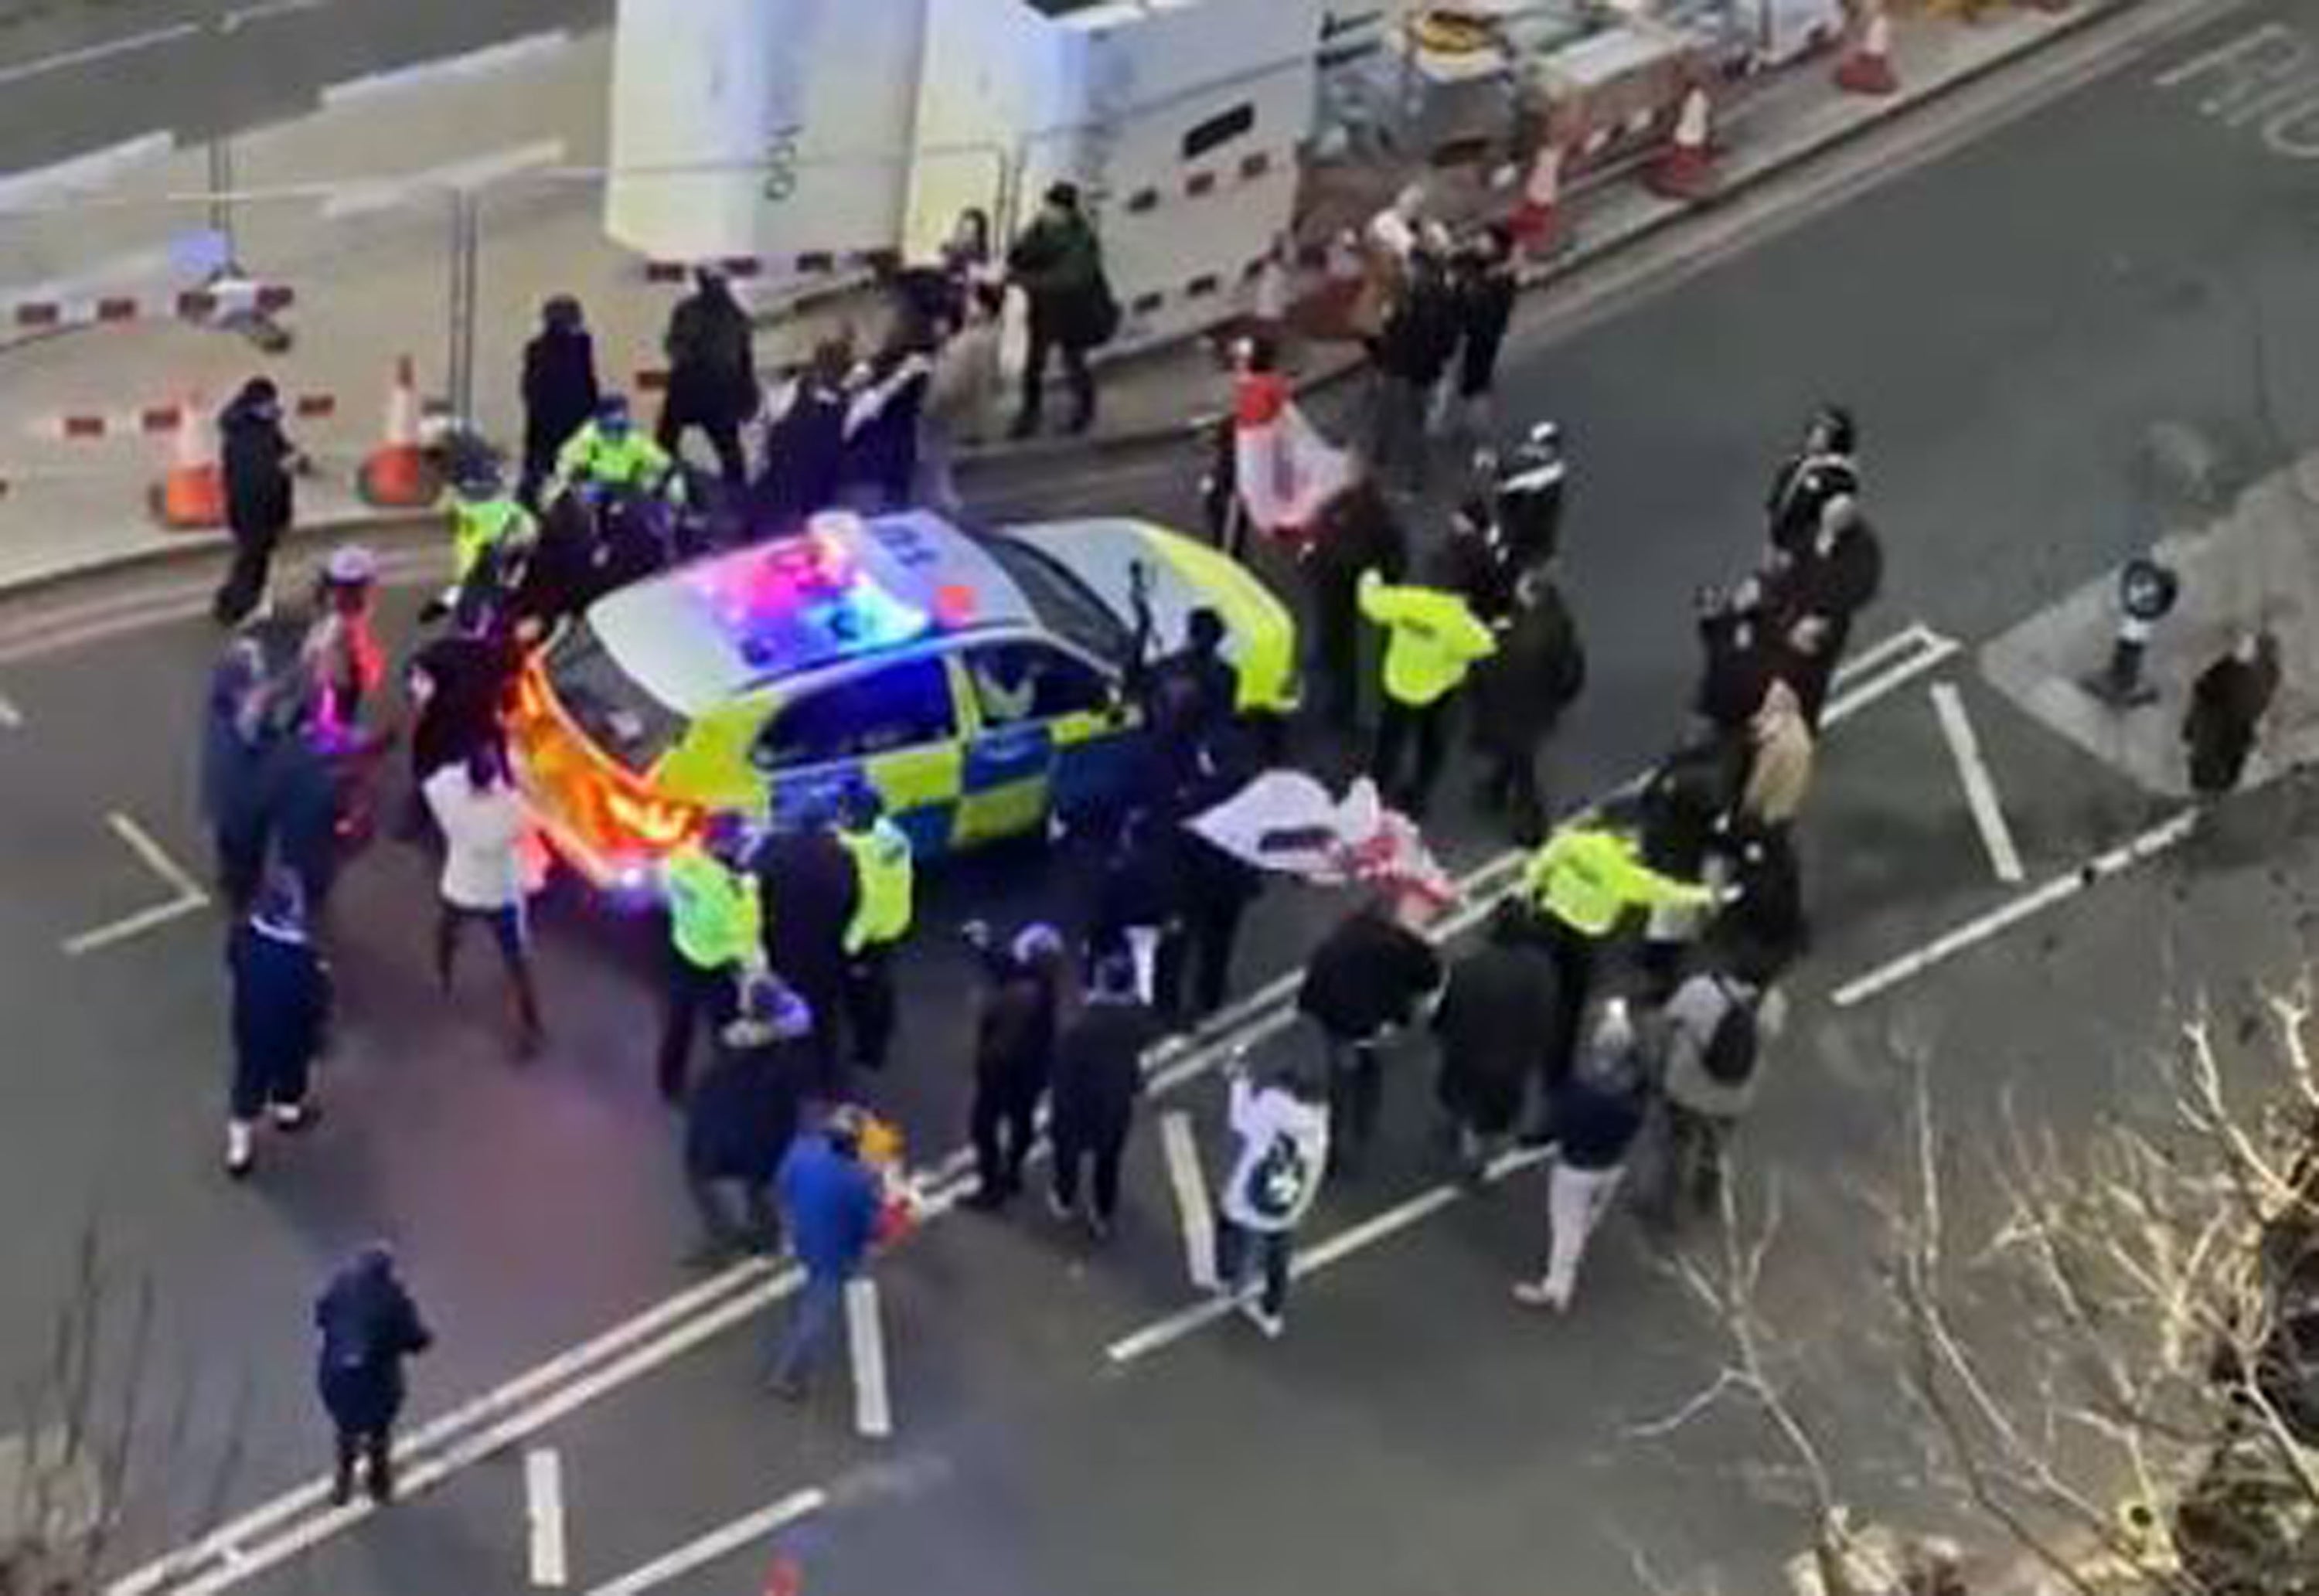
[(1064, 1420), (362, 236)]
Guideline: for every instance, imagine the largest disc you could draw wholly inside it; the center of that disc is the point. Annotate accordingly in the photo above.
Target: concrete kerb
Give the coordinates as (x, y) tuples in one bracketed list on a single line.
[(1587, 250), (188, 548)]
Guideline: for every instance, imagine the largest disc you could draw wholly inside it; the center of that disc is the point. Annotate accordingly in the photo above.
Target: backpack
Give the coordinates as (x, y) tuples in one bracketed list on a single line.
[(1729, 1057), (1278, 1180)]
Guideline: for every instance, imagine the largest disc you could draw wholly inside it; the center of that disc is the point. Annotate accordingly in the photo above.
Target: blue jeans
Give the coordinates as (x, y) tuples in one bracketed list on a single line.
[(820, 1305)]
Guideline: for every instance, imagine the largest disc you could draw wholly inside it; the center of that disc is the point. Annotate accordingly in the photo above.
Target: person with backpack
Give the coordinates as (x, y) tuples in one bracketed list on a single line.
[(1282, 1130), (1371, 975), (712, 375), (1714, 1031), (1058, 264), (1598, 1114)]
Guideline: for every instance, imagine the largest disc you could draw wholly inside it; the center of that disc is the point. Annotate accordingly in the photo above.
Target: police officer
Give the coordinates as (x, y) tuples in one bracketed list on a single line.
[(715, 930), (1581, 884), (610, 453), (1432, 639), (1529, 491), (884, 889), (490, 530)]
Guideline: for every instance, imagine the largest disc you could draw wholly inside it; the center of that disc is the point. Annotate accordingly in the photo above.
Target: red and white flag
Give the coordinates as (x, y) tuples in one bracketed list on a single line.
[(1288, 822), (1285, 471)]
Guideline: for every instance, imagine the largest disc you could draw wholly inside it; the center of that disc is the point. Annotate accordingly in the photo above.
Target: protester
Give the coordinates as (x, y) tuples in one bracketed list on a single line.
[(1360, 532), (369, 1326), (879, 464), (1217, 889), (488, 868), (1482, 279), (1520, 694), (1099, 1076), (809, 883), (1822, 469), (1432, 640), (1763, 918), (258, 462), (1021, 1012), (281, 1017), (560, 392), (712, 375), (232, 772), (1276, 473), (2228, 705), (1372, 975), (457, 685), (1780, 760), (1139, 904), (1498, 1009), (830, 1201), (341, 650), (961, 397), (1412, 355), (1738, 655), (1477, 563), (1598, 1114), (1058, 264), (1189, 695), (715, 939), (1685, 803), (740, 1119), (1713, 1033), (1284, 1154), (884, 902)]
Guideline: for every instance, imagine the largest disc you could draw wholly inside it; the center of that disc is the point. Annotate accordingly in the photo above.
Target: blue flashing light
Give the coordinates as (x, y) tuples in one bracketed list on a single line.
[(802, 601)]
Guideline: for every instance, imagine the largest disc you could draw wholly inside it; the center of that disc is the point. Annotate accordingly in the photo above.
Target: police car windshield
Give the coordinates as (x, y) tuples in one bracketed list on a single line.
[(1063, 603), (605, 702)]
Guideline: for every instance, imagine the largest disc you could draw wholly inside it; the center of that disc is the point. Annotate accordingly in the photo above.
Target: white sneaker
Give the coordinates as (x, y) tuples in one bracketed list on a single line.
[(1538, 1294), (290, 1116), (1271, 1324), (240, 1153)]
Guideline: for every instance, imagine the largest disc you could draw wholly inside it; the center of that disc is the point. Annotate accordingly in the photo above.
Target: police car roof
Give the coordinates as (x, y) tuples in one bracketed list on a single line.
[(716, 630)]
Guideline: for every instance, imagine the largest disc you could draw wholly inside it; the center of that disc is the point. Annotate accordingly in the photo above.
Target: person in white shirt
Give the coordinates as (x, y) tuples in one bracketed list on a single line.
[(1283, 1127), (486, 873)]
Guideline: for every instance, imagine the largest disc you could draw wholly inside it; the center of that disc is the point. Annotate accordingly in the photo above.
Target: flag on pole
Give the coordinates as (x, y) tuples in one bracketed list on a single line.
[(1288, 822), (1284, 470)]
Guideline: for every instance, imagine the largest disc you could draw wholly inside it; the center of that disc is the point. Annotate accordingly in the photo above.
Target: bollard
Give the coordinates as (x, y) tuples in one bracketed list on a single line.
[(2146, 594)]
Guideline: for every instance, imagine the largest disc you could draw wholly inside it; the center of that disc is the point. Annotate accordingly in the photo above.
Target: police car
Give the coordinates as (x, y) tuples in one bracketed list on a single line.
[(972, 680)]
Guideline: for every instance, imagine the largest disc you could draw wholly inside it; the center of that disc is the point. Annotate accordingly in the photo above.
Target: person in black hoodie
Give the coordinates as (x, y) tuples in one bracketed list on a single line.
[(1817, 594), (1520, 694), (1139, 907), (1360, 532), (1020, 1013), (712, 375), (1099, 1076), (368, 1325), (807, 883), (560, 391), (280, 1015), (258, 462), (1484, 277), (1684, 804), (1821, 469), (233, 798), (740, 1118), (1412, 355), (1372, 974), (1496, 1014), (805, 440)]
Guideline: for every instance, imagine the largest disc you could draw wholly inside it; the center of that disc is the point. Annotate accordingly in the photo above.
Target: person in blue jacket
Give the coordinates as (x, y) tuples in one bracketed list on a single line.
[(280, 1019), (368, 1325), (830, 1200)]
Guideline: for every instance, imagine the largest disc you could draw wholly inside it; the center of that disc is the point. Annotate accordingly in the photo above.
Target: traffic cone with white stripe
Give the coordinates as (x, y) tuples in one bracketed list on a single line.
[(190, 497), (1686, 170), (1538, 220), (1866, 67), (397, 475)]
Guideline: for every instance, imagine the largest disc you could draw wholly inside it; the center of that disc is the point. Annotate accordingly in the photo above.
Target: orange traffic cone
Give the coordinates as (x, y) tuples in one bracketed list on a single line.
[(398, 474), (1866, 67), (190, 497), (1686, 170), (1538, 220)]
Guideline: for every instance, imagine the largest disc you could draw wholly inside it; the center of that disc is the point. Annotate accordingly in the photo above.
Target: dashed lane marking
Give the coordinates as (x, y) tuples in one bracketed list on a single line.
[(1190, 1184), (865, 1333), (543, 1503)]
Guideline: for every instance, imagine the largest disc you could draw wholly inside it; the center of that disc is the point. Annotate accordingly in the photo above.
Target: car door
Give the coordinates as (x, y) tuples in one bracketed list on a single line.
[(891, 726), (1039, 719)]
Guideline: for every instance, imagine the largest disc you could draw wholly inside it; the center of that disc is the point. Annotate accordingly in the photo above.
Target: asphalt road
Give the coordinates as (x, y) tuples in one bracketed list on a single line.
[(85, 75), (2009, 322)]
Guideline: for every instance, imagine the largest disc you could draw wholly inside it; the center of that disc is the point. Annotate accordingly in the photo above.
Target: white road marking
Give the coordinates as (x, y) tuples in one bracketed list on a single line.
[(1933, 651), (1191, 1186), (87, 55), (267, 11), (1980, 787), (543, 1506), (190, 897), (11, 718), (2125, 856), (367, 199), (716, 1543), (478, 63), (1380, 1227), (83, 173), (865, 1335), (256, 1540)]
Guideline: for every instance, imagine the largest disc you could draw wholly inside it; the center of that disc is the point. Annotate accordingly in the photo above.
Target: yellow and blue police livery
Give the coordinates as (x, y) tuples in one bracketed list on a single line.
[(972, 680)]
